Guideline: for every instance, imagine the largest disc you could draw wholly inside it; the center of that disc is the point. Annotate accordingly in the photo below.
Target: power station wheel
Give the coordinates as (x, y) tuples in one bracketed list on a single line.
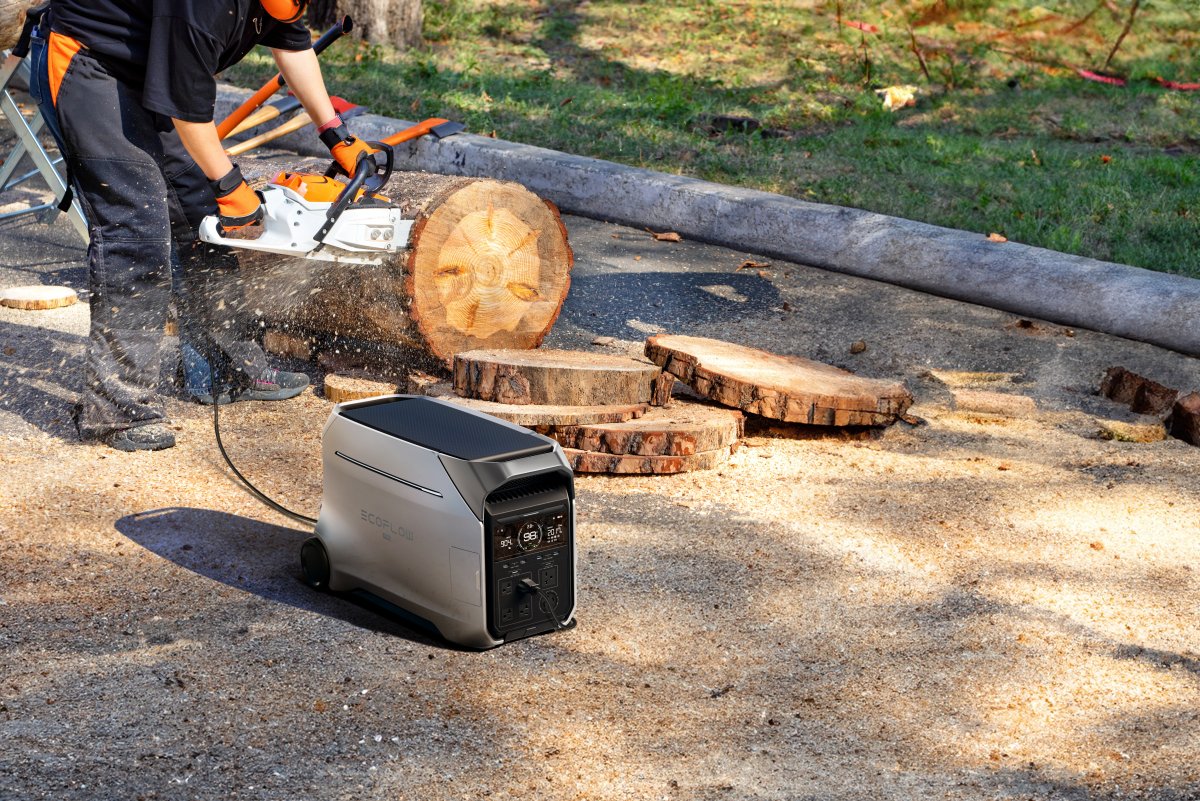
[(314, 564)]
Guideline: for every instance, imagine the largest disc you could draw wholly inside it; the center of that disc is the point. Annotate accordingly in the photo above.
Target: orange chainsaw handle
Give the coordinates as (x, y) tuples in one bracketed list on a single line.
[(343, 26)]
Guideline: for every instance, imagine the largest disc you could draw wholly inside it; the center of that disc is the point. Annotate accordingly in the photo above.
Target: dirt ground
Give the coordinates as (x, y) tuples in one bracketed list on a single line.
[(981, 606)]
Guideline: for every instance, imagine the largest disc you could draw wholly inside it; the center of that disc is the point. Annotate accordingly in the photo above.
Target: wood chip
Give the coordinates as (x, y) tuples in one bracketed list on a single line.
[(666, 236)]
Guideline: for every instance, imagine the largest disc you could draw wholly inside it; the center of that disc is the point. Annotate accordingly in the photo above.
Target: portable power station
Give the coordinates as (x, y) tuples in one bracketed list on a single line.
[(461, 522)]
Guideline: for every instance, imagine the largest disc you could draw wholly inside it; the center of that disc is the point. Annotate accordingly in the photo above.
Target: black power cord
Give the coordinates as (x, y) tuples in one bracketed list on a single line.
[(255, 491), (546, 603)]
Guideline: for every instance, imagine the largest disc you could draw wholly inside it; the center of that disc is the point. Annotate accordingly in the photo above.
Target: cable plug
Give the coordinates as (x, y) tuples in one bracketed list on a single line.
[(528, 586)]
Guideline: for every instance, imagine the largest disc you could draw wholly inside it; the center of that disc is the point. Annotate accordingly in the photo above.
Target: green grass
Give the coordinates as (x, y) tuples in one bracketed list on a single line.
[(1005, 137)]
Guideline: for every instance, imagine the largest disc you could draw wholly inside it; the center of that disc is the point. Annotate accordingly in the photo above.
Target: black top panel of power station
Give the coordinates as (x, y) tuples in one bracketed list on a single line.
[(445, 428)]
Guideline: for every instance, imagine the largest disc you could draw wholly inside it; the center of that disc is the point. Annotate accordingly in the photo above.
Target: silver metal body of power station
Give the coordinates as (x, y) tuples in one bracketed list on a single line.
[(442, 512)]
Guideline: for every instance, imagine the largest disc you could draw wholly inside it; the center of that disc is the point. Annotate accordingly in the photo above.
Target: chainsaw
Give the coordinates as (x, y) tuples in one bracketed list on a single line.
[(316, 216)]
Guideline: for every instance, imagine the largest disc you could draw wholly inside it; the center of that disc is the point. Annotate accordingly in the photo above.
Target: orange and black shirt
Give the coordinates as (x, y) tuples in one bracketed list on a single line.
[(172, 49)]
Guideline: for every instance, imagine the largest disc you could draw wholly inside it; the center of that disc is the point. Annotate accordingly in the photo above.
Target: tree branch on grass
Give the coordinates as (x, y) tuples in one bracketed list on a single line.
[(1133, 10)]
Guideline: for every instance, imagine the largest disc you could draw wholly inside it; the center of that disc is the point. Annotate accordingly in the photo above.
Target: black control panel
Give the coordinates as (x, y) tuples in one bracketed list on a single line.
[(534, 543)]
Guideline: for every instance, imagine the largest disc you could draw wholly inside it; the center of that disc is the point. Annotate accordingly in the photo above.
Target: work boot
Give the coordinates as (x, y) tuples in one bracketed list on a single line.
[(268, 385), (152, 437)]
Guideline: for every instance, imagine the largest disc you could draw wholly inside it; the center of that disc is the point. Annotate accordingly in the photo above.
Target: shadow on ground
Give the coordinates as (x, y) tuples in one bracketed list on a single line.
[(255, 557)]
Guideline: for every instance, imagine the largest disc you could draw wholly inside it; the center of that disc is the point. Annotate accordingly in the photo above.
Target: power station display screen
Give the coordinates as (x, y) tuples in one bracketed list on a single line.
[(529, 534)]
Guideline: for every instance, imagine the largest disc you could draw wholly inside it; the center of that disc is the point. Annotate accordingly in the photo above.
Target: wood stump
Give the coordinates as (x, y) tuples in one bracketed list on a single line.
[(785, 388), (687, 428), (532, 415), (591, 462), (487, 266), (554, 377)]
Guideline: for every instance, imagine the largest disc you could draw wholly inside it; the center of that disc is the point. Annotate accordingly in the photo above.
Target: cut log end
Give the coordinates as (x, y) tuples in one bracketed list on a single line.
[(489, 268)]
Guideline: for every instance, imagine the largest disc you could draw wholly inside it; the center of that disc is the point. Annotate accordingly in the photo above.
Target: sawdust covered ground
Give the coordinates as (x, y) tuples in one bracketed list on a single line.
[(982, 606)]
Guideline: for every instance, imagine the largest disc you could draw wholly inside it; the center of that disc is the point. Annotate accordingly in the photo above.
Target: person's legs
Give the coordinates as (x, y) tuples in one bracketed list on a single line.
[(113, 152), (216, 318)]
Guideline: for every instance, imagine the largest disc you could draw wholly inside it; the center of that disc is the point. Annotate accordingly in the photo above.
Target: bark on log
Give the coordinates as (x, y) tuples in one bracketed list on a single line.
[(1139, 393), (687, 428), (781, 387), (487, 266), (535, 415), (554, 377), (591, 462), (1185, 418), (391, 22), (12, 19)]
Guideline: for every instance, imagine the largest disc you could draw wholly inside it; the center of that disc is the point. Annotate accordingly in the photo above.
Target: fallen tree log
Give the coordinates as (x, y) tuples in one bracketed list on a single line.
[(12, 19), (487, 265), (785, 388)]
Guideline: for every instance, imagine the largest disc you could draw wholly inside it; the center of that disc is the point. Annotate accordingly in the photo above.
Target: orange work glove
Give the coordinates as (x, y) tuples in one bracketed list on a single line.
[(238, 206), (345, 149)]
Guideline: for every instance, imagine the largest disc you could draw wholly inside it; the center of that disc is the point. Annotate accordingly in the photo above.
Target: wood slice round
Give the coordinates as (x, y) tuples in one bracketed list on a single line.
[(684, 429), (554, 377), (538, 415), (342, 387), (489, 269), (36, 298), (785, 388), (592, 462)]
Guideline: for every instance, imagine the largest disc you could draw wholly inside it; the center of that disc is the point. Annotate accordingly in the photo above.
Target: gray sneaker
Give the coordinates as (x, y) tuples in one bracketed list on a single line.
[(272, 384), (152, 437)]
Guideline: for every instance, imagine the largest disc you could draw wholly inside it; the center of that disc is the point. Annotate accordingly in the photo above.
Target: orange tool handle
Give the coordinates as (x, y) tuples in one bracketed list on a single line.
[(254, 101), (418, 130), (343, 26)]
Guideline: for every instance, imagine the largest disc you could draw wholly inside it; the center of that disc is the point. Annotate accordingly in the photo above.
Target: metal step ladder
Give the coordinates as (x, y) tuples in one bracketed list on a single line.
[(28, 144)]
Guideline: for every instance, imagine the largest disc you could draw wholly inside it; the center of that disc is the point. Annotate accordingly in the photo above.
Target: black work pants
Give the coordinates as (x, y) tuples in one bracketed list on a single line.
[(144, 197)]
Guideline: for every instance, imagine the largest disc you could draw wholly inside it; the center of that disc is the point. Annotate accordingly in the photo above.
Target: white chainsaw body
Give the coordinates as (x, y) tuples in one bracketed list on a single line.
[(361, 234)]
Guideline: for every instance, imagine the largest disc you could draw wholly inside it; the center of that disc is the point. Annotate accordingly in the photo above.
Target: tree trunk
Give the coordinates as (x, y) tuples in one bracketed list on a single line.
[(12, 19), (487, 266), (393, 22)]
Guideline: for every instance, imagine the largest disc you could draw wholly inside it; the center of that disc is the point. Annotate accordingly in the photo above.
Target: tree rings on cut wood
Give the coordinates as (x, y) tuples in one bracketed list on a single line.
[(592, 462), (342, 387), (36, 298), (553, 377), (490, 267), (685, 429), (534, 415), (785, 388)]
